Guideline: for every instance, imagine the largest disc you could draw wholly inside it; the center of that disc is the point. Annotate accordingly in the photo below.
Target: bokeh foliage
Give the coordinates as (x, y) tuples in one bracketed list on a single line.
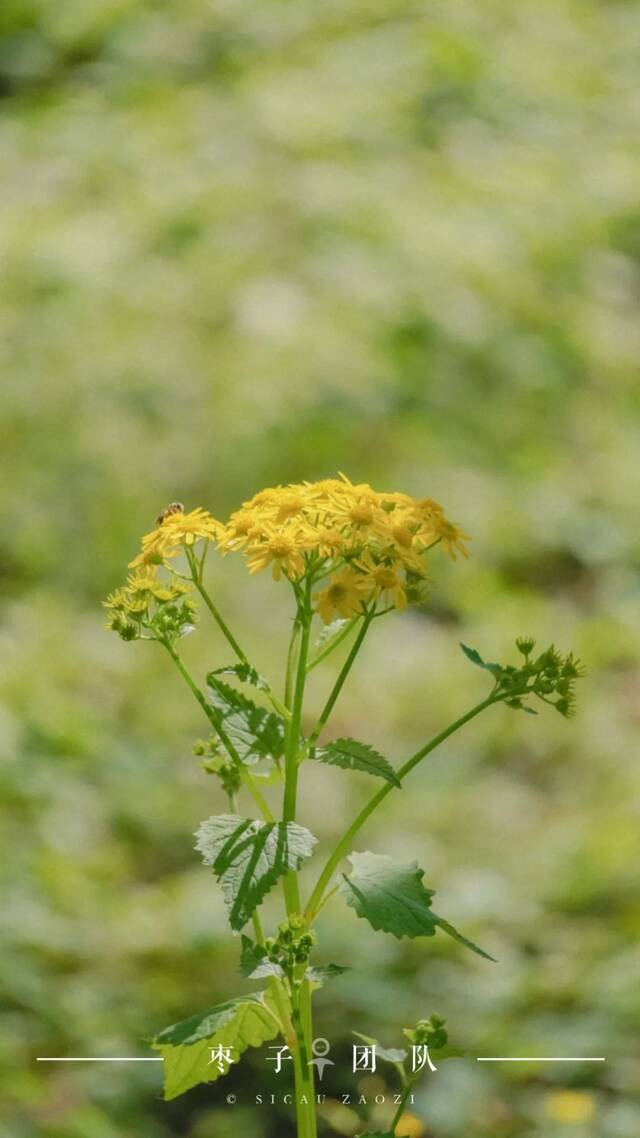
[(252, 242)]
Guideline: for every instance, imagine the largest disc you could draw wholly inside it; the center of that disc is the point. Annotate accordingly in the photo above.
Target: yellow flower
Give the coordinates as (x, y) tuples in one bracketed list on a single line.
[(330, 542), (341, 597), (410, 1127), (175, 529), (321, 526), (574, 1107), (244, 525), (290, 504), (382, 580), (141, 589), (278, 550), (451, 536)]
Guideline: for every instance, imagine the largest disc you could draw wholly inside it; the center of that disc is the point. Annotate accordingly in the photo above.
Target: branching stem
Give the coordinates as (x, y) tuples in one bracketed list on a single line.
[(333, 643), (342, 676), (216, 723), (342, 848)]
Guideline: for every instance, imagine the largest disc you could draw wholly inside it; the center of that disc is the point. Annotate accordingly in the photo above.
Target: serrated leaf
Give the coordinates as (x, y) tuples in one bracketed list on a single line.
[(254, 731), (451, 931), (352, 755), (269, 775), (267, 968), (245, 673), (472, 655), (377, 1134), (391, 897), (476, 659), (331, 630), (323, 972), (390, 1054), (248, 856), (186, 1046)]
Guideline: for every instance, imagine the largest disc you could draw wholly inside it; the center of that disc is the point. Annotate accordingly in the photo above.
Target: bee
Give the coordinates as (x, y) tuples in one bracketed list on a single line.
[(172, 508)]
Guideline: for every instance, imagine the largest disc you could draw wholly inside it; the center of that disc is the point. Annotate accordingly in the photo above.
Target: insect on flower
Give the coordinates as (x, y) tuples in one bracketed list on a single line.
[(169, 511)]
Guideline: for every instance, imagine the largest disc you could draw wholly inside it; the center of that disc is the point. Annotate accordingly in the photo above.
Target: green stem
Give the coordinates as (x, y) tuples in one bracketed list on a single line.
[(333, 643), (305, 1088), (197, 580), (258, 930), (196, 573), (292, 742), (339, 684), (291, 661), (300, 997), (224, 738), (400, 1111), (343, 845), (284, 1004)]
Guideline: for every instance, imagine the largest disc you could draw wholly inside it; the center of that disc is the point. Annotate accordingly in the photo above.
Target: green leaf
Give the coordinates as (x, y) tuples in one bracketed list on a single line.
[(391, 897), (323, 972), (251, 955), (255, 732), (268, 775), (476, 658), (352, 755), (248, 856), (451, 931), (186, 1046), (390, 1054), (330, 630), (377, 1134), (267, 969), (243, 672)]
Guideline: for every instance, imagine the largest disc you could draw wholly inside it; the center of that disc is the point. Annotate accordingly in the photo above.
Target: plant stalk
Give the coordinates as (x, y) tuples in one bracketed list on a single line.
[(333, 643), (292, 745), (339, 684), (295, 680), (224, 738), (315, 901), (400, 1111)]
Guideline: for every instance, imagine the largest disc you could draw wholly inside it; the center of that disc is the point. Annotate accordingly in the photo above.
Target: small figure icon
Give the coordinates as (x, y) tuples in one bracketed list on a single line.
[(320, 1048)]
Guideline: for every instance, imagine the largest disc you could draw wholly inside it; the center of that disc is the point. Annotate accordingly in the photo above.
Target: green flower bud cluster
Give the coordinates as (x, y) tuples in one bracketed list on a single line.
[(214, 761), (292, 946), (547, 676), (550, 676), (430, 1031), (149, 608)]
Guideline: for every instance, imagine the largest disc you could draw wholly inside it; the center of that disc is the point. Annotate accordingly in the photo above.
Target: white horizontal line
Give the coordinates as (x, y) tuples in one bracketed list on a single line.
[(99, 1059), (542, 1059)]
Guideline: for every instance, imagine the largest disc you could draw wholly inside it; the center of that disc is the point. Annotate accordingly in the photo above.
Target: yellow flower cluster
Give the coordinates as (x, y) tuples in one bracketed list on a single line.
[(175, 529), (141, 589), (369, 544), (146, 602), (366, 547)]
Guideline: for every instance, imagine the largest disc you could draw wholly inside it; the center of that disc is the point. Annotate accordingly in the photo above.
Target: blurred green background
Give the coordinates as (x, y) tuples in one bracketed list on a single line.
[(252, 242)]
